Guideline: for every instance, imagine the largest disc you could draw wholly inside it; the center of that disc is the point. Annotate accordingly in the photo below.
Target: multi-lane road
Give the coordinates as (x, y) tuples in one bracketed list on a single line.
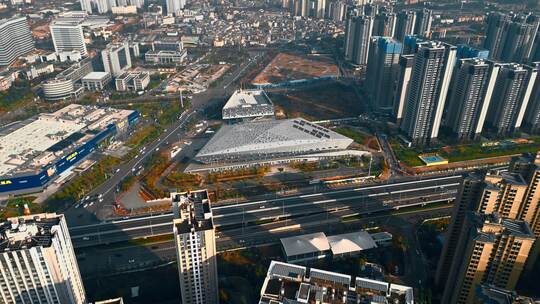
[(102, 209), (332, 203)]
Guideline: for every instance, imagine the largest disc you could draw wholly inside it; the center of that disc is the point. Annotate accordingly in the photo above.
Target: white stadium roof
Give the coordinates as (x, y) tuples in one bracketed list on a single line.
[(266, 137)]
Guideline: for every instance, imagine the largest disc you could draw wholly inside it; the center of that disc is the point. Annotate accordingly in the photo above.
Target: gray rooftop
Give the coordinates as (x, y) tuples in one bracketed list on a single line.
[(267, 134), (20, 233)]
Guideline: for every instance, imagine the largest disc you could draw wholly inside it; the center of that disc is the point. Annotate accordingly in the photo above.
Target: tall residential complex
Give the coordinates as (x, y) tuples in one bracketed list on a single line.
[(337, 10), (318, 9), (492, 250), (37, 263), (15, 39), (529, 169), (116, 58), (402, 86), (405, 21), (384, 24), (86, 5), (511, 96), (512, 195), (102, 6), (194, 236), (67, 36), (422, 26), (511, 37), (174, 6), (470, 94), (532, 114), (299, 8), (358, 34), (382, 71), (430, 79), (467, 201)]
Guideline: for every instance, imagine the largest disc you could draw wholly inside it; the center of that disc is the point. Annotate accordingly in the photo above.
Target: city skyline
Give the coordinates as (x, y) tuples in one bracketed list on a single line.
[(237, 151)]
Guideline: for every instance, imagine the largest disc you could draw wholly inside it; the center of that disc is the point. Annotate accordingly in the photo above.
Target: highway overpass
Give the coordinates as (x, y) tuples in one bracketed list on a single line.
[(331, 203)]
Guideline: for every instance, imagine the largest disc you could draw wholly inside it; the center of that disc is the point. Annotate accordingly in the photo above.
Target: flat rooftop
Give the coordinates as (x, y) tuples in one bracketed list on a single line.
[(96, 76), (289, 283), (247, 98), (248, 103), (34, 143), (194, 210), (19, 233)]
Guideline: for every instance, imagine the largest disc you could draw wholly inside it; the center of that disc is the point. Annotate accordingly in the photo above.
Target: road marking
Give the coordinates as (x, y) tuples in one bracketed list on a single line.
[(328, 201), (336, 192)]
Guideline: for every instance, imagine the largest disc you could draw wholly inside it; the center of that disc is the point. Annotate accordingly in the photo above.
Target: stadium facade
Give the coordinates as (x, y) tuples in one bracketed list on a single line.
[(270, 139), (34, 152)]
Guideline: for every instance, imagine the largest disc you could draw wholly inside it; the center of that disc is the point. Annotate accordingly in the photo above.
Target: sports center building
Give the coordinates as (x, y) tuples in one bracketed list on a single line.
[(270, 142), (247, 104), (35, 151)]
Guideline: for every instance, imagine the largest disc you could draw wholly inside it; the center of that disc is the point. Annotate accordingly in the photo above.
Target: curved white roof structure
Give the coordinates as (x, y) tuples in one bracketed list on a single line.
[(305, 244), (270, 139)]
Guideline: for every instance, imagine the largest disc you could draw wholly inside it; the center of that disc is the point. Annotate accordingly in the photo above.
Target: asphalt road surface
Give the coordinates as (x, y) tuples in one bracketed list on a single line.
[(101, 209), (361, 200)]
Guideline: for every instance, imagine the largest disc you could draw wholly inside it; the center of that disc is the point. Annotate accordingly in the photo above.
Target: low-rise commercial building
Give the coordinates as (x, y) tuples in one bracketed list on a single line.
[(307, 247), (60, 89), (132, 81), (289, 283), (246, 104), (35, 151), (96, 81), (165, 57)]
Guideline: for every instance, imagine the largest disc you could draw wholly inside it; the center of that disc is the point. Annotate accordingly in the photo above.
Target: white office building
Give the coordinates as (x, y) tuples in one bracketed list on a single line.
[(67, 35), (37, 263), (194, 236), (132, 81), (15, 39), (96, 81), (116, 58)]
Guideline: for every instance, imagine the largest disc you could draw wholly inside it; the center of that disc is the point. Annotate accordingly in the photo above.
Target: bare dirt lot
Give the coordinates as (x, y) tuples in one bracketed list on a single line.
[(286, 67), (329, 100)]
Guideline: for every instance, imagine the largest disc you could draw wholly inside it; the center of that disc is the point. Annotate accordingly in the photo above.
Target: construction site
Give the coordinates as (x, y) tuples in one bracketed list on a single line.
[(287, 69)]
